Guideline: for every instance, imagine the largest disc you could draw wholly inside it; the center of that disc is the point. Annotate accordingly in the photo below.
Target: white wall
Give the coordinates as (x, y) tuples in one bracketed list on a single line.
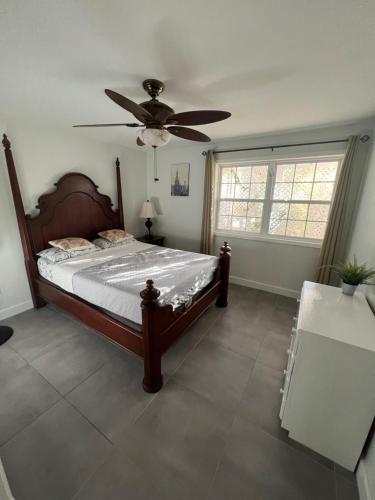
[(277, 267), (41, 158), (363, 246)]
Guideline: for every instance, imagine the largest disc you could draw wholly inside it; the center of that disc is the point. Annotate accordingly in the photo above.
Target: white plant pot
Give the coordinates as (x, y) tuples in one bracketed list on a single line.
[(348, 289)]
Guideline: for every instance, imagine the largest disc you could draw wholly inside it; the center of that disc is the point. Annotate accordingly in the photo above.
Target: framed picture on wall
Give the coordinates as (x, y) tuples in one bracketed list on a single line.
[(180, 173)]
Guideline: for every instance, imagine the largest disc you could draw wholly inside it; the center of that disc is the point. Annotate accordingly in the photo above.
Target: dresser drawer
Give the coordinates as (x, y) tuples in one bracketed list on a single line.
[(293, 344), (292, 350), (284, 390)]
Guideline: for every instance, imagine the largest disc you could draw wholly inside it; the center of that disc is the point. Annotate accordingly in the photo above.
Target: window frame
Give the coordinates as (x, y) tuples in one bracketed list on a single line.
[(272, 163)]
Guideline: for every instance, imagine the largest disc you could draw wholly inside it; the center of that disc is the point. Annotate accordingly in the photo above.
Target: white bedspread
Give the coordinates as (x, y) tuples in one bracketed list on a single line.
[(113, 278)]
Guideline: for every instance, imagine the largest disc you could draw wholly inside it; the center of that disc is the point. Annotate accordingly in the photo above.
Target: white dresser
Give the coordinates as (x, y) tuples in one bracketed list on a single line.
[(328, 401)]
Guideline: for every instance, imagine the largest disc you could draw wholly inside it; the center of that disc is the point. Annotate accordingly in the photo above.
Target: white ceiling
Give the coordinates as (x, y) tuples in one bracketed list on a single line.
[(275, 64)]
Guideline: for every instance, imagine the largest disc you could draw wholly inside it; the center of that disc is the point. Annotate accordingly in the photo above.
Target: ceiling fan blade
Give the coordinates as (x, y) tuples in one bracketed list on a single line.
[(139, 142), (140, 113), (188, 133), (111, 125), (198, 117)]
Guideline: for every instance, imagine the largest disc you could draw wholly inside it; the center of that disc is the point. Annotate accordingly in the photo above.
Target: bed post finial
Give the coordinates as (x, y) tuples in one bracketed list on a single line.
[(149, 294), (225, 248), (225, 256), (6, 142), (119, 194), (153, 379)]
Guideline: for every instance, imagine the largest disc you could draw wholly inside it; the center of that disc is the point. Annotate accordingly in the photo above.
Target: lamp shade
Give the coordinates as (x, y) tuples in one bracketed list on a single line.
[(148, 210), (154, 136)]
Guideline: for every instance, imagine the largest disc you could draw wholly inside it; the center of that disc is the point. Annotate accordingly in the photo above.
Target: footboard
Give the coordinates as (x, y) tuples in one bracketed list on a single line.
[(162, 326)]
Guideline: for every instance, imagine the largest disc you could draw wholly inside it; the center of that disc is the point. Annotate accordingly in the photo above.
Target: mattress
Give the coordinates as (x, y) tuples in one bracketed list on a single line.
[(113, 278)]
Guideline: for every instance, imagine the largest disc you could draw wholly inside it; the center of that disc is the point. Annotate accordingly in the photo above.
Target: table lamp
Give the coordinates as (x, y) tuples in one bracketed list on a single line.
[(148, 212)]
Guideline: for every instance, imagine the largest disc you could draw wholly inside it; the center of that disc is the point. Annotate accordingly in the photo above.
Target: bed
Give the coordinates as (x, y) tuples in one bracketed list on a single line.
[(141, 297)]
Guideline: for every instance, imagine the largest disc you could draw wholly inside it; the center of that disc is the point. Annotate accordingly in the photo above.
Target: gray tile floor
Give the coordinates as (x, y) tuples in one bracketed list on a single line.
[(76, 424)]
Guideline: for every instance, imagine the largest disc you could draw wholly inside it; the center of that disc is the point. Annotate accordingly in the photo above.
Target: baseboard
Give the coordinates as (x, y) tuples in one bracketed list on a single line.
[(264, 286), (16, 309), (362, 482)]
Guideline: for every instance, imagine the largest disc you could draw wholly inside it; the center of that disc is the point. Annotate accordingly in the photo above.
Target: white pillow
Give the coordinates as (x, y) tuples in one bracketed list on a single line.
[(57, 255), (103, 243)]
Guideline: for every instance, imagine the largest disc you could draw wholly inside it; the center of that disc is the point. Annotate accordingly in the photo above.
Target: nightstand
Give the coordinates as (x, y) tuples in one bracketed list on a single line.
[(154, 240)]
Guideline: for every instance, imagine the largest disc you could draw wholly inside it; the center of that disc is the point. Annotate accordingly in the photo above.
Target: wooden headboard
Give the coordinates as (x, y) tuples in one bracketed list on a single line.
[(75, 208)]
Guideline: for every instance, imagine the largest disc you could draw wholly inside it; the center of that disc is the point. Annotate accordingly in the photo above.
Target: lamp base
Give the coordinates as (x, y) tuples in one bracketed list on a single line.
[(148, 224), (5, 333)]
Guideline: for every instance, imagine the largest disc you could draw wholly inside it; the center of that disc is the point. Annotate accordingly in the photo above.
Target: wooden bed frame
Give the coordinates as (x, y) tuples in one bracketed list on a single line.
[(76, 208)]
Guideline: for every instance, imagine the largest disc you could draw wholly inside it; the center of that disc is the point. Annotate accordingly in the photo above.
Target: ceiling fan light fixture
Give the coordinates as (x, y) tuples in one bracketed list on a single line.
[(154, 136)]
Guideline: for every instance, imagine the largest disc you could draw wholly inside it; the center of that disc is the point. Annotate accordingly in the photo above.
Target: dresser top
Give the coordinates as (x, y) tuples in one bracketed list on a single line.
[(326, 311)]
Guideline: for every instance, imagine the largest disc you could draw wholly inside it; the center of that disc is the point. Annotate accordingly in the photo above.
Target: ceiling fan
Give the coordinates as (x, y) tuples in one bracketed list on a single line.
[(159, 121)]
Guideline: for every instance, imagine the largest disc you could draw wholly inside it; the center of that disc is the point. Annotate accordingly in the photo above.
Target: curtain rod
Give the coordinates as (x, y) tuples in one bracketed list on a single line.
[(363, 138)]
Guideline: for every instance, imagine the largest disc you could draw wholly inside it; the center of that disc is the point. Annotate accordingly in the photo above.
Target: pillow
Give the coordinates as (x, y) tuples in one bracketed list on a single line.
[(114, 235), (102, 243), (71, 244), (56, 255)]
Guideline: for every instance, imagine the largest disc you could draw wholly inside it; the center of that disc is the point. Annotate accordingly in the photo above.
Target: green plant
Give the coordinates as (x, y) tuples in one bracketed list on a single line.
[(353, 273)]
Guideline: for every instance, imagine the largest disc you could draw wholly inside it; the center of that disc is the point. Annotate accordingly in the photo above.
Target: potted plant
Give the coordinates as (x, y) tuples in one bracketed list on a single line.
[(353, 274)]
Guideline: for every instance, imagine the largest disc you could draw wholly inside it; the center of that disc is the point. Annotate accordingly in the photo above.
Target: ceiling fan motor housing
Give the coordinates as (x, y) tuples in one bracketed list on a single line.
[(159, 111)]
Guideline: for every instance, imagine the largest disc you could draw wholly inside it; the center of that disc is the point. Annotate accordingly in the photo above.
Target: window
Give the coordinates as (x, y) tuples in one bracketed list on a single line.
[(242, 196), (288, 199)]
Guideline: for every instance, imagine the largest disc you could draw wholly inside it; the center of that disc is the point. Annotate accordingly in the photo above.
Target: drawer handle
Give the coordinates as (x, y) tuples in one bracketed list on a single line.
[(285, 372), (281, 391)]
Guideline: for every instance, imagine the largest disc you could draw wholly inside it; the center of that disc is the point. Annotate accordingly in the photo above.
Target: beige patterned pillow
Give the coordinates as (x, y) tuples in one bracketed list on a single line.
[(71, 244), (114, 235)]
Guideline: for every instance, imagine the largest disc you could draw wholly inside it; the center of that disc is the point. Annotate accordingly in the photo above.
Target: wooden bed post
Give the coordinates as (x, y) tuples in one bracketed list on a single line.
[(120, 207), (153, 379), (31, 267), (225, 256)]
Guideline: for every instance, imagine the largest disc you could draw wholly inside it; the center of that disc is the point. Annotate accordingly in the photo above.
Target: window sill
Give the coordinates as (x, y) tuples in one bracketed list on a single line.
[(269, 239)]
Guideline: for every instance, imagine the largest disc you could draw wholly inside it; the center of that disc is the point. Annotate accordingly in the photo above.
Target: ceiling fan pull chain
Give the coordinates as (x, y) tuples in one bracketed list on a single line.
[(156, 178)]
